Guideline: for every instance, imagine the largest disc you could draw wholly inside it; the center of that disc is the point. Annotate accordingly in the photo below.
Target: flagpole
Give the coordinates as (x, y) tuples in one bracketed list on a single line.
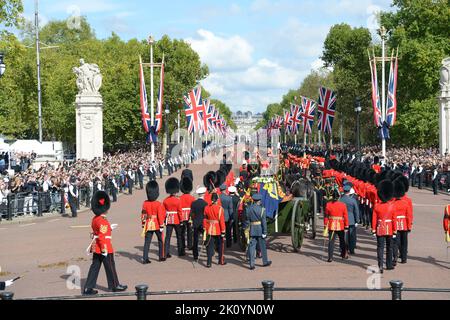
[(383, 33), (151, 41)]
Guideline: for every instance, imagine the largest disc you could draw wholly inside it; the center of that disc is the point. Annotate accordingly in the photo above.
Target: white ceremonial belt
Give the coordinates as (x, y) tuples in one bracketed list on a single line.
[(172, 212), (385, 220), (186, 208), (401, 217), (107, 237)]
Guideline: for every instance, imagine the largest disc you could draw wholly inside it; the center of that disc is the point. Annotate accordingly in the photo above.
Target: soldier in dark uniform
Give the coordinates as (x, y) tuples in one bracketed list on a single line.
[(197, 215), (101, 247), (255, 219)]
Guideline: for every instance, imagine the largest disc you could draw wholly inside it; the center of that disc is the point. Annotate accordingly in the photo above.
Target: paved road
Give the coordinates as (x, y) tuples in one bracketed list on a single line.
[(43, 251)]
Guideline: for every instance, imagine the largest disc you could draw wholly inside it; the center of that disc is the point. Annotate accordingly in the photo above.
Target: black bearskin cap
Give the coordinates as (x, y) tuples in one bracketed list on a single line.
[(187, 173), (100, 203), (221, 176), (399, 189), (208, 180), (405, 182), (396, 175), (172, 186), (385, 190), (186, 185), (152, 189), (376, 160)]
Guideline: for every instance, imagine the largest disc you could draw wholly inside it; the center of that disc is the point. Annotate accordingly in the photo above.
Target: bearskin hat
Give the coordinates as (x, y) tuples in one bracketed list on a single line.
[(396, 175), (208, 180), (221, 176), (385, 190), (152, 189), (100, 203), (172, 186), (405, 182), (187, 173), (376, 160), (399, 189), (186, 185)]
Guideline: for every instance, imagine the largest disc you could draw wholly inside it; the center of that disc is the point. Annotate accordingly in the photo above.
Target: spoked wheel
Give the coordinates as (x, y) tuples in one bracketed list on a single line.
[(297, 225)]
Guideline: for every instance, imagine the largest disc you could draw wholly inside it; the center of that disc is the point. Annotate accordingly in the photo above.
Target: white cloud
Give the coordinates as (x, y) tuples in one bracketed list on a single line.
[(222, 53)]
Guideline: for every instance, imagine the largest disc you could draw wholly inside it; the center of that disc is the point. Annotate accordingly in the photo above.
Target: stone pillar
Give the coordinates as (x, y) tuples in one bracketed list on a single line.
[(89, 124), (444, 108), (89, 111)]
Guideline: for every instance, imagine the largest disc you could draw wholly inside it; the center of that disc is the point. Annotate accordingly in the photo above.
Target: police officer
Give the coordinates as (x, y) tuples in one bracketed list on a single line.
[(227, 205), (130, 177), (141, 174), (114, 188), (101, 247), (255, 219), (73, 196)]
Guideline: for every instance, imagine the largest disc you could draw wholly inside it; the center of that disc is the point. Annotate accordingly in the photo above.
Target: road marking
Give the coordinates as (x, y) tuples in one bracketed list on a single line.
[(26, 225)]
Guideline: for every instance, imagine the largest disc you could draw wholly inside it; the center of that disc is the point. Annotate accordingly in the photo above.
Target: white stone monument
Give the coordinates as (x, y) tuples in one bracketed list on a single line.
[(444, 110), (89, 112)]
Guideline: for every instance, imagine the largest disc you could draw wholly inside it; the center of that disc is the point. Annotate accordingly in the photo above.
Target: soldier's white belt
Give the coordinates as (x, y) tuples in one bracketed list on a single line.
[(213, 221), (256, 223), (186, 208), (107, 237), (336, 218), (172, 212), (385, 220), (401, 217)]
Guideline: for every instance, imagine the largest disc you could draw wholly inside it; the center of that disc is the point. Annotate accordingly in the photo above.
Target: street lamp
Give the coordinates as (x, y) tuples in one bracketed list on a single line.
[(358, 110), (2, 64)]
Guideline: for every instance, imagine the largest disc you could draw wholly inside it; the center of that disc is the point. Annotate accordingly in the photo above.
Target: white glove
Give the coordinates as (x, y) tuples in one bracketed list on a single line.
[(105, 254), (161, 229), (114, 226), (356, 225), (394, 236), (8, 283), (264, 236), (374, 235)]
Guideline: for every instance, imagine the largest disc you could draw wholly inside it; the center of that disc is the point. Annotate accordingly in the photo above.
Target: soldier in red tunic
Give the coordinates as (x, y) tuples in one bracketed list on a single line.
[(336, 222), (214, 228), (174, 214), (153, 218), (446, 222), (384, 224), (186, 200), (403, 215), (101, 247)]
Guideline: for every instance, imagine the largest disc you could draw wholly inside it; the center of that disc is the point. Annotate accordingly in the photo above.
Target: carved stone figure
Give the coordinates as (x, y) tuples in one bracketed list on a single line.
[(445, 74), (89, 79)]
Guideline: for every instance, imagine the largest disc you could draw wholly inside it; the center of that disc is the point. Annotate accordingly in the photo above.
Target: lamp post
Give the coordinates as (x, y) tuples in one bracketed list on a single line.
[(167, 111), (358, 110)]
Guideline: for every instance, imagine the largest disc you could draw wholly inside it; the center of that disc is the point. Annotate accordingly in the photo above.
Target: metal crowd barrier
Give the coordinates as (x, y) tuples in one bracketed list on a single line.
[(268, 288)]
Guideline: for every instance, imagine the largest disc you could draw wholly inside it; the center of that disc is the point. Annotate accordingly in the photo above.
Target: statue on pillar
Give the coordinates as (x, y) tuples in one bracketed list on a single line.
[(445, 75), (89, 79)]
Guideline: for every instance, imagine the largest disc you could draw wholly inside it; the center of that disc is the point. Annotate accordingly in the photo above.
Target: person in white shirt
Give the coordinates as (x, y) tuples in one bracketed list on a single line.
[(73, 196), (420, 174), (435, 181), (131, 177)]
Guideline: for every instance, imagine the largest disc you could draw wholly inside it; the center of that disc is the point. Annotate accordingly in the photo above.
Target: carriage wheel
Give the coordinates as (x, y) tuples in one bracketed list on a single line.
[(297, 227)]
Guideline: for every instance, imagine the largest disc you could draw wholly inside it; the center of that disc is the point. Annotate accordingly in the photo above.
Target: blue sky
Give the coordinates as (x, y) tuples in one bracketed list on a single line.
[(256, 49)]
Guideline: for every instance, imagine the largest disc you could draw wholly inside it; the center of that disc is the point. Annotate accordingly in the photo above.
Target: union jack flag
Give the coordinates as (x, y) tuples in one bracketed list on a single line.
[(308, 113), (194, 109), (375, 95), (327, 110), (296, 118), (206, 116), (391, 113), (288, 122), (146, 119), (212, 119), (159, 107)]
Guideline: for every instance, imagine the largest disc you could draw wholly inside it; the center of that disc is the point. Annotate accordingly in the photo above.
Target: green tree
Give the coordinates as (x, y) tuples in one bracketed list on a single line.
[(10, 11)]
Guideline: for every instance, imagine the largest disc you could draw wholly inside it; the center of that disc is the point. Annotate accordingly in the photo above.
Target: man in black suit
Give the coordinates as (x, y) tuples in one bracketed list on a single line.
[(235, 198), (197, 215)]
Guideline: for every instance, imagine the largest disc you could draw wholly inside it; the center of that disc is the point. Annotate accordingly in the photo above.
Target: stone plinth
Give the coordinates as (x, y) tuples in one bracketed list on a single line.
[(89, 124), (444, 108)]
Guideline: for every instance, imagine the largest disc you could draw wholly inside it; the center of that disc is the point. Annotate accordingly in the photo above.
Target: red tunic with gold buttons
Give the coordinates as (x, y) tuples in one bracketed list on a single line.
[(153, 215), (173, 210), (403, 215), (384, 219), (214, 220), (336, 216), (102, 231), (376, 168), (186, 202), (207, 197)]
